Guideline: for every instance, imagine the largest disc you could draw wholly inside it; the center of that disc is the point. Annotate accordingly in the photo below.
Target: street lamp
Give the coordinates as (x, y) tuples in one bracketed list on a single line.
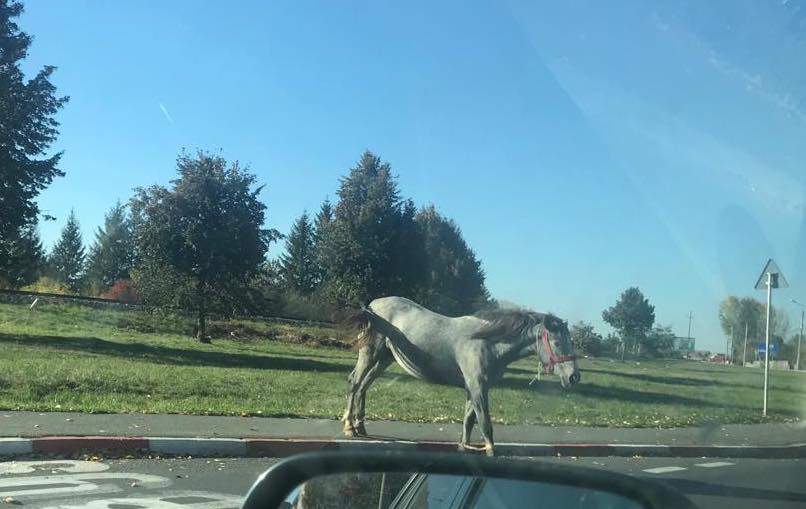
[(800, 336)]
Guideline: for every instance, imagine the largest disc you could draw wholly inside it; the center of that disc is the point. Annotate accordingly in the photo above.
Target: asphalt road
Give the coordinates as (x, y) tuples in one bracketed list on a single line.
[(200, 483)]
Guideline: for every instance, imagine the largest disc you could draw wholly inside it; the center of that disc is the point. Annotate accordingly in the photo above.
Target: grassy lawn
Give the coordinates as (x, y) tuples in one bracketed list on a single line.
[(73, 358)]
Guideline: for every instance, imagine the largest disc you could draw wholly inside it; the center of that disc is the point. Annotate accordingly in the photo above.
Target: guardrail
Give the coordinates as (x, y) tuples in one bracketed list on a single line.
[(98, 301)]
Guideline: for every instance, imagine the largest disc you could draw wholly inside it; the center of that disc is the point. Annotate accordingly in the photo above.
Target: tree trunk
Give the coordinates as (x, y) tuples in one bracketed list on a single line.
[(201, 327), (623, 348)]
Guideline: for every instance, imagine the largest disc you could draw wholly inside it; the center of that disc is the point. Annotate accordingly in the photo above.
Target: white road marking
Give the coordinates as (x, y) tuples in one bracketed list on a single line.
[(73, 488), (163, 501), (66, 466), (714, 464), (663, 470), (36, 487)]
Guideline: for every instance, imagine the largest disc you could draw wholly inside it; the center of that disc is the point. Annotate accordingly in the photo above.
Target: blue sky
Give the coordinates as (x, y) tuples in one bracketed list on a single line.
[(582, 147)]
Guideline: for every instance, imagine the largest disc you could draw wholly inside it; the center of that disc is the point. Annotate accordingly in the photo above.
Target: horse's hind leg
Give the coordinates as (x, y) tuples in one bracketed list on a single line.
[(469, 422), (367, 358), (384, 359), (480, 402)]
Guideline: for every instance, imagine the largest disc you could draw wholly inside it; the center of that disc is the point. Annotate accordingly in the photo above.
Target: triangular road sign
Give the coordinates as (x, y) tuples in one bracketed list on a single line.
[(778, 279)]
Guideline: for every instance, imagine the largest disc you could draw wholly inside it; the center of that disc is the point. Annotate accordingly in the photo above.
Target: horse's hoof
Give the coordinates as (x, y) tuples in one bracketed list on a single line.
[(470, 448), (488, 450), (349, 430), (360, 430)]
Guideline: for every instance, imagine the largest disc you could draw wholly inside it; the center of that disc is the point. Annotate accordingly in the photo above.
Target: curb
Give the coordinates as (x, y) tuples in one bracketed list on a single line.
[(280, 448)]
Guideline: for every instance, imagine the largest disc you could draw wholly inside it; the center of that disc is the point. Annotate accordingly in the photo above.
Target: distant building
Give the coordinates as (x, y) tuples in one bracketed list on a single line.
[(682, 344)]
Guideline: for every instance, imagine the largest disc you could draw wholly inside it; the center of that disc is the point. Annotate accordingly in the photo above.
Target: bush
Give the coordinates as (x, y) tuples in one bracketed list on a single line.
[(123, 289), (301, 307), (585, 339), (158, 321), (48, 285)]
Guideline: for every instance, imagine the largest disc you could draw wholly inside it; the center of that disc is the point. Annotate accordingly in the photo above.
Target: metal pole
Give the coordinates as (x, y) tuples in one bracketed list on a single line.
[(800, 339), (744, 353), (767, 343)]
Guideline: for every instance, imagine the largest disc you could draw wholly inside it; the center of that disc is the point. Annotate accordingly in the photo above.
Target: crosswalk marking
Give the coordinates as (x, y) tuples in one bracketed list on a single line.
[(714, 464), (663, 470)]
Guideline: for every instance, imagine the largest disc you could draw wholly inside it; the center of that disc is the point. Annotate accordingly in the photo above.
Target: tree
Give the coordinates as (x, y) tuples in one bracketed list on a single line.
[(586, 339), (66, 260), (298, 264), (736, 312), (372, 245), (659, 341), (110, 257), (454, 282), (23, 258), (321, 223), (200, 243), (632, 316), (27, 129)]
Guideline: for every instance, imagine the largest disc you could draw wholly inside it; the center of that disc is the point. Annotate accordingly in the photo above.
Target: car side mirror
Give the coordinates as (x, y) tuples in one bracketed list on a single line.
[(417, 480)]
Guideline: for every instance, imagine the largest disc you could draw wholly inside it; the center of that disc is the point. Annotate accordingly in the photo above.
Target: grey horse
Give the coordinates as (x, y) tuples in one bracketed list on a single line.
[(468, 351)]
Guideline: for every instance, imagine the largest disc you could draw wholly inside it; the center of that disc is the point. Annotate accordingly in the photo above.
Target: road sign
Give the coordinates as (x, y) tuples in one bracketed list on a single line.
[(771, 277), (762, 350), (778, 279)]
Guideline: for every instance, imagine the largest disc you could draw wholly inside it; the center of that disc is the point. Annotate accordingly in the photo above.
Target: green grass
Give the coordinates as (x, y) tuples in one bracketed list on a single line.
[(73, 358)]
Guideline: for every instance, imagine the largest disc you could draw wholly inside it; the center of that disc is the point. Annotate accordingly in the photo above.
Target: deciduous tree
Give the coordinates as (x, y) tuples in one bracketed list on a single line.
[(200, 242), (632, 316)]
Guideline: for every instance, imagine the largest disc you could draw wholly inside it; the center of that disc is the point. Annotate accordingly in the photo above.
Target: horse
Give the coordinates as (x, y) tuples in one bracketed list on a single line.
[(471, 352)]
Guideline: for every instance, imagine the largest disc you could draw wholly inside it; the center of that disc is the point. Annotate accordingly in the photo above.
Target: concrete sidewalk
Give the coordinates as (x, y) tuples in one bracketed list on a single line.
[(32, 424)]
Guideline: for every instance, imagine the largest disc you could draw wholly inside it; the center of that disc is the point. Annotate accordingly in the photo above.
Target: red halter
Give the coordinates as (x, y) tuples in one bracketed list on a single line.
[(554, 359)]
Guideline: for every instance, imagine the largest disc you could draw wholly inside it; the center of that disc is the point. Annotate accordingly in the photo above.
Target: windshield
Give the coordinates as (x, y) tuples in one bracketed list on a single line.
[(504, 227)]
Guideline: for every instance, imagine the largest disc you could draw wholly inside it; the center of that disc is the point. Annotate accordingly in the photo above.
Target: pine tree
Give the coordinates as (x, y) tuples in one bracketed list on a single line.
[(371, 243), (27, 129), (110, 257), (298, 264), (67, 257), (23, 258), (455, 280), (321, 223)]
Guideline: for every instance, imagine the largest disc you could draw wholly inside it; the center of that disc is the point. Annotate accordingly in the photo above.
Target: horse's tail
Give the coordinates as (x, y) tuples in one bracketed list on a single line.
[(362, 323)]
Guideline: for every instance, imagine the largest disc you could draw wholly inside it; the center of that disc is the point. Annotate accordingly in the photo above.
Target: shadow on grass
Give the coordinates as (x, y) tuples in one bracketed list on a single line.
[(173, 356), (606, 393), (691, 382)]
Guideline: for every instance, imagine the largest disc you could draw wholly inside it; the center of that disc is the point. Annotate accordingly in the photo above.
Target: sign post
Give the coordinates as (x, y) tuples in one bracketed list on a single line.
[(771, 277)]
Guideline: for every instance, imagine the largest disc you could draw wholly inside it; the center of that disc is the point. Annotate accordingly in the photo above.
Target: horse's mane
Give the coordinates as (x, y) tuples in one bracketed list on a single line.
[(506, 324)]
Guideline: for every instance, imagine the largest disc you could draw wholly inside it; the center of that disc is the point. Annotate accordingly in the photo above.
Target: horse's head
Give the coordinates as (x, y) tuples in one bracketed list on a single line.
[(555, 348), (542, 333)]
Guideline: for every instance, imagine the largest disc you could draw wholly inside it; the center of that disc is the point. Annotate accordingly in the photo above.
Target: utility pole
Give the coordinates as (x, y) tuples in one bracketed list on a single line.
[(744, 353), (767, 343), (727, 346), (800, 336), (690, 316)]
